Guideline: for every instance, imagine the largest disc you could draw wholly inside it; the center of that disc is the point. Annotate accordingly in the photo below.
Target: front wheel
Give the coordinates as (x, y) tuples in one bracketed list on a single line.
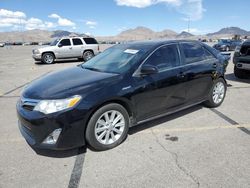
[(48, 58), (107, 127), (217, 94)]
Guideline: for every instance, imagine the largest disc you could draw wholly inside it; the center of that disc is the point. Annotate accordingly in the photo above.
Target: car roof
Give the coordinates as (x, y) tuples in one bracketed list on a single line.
[(154, 43)]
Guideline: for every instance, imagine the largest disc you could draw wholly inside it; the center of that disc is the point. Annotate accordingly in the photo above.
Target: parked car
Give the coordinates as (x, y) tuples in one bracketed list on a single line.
[(95, 103), (67, 47), (241, 60), (2, 44), (227, 45)]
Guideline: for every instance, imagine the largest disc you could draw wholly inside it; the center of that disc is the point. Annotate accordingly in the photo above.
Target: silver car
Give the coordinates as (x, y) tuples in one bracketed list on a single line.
[(83, 48)]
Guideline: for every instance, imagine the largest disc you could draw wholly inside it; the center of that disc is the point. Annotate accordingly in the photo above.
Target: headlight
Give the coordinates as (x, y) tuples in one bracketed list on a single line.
[(51, 106), (36, 51)]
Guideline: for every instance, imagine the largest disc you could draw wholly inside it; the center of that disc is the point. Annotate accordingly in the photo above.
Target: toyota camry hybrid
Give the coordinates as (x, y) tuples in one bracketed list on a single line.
[(95, 103)]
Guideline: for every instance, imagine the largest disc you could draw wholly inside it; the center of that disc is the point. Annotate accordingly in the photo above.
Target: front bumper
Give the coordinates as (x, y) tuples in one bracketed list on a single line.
[(37, 56), (36, 127)]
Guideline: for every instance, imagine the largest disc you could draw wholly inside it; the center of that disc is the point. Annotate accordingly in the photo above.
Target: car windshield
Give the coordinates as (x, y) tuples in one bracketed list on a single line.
[(53, 43), (117, 59)]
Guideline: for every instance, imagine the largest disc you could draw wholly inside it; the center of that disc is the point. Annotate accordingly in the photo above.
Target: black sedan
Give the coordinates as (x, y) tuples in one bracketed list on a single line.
[(95, 103)]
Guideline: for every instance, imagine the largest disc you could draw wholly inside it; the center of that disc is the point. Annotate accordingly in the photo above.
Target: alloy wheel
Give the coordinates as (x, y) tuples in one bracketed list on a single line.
[(218, 92), (109, 127)]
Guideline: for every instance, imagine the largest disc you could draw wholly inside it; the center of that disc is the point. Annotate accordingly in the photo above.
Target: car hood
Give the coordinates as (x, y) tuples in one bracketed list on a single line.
[(68, 82), (45, 48)]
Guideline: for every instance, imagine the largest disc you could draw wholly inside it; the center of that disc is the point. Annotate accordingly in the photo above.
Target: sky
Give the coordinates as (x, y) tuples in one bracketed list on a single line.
[(110, 17)]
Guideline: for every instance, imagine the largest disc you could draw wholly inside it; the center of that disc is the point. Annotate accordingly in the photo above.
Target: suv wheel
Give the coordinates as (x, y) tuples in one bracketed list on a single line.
[(87, 55), (48, 58), (239, 73), (107, 127), (217, 94)]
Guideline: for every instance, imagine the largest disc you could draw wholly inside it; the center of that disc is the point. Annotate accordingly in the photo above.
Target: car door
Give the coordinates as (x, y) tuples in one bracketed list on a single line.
[(199, 68), (77, 49), (158, 93), (64, 49)]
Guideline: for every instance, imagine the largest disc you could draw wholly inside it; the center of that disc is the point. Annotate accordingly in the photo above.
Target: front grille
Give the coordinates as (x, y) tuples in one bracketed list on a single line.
[(28, 104)]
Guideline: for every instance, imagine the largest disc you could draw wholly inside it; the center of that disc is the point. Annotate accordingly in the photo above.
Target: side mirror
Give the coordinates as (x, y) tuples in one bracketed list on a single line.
[(60, 45), (148, 69)]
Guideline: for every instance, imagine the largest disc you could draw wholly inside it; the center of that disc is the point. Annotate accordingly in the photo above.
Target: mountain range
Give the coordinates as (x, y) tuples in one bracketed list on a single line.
[(139, 33)]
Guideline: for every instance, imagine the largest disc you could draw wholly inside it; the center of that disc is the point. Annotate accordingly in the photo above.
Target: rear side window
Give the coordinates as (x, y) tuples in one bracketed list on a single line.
[(77, 42), (193, 52), (165, 57), (65, 42), (90, 41)]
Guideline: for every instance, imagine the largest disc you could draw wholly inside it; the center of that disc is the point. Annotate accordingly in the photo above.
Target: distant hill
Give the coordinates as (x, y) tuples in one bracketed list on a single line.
[(184, 34), (138, 33), (35, 35), (230, 31)]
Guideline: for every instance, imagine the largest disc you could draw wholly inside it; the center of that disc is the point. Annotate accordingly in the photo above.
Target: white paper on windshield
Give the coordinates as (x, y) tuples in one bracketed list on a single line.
[(131, 51)]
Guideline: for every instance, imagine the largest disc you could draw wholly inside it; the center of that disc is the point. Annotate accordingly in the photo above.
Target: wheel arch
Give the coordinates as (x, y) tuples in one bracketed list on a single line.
[(121, 101), (49, 52)]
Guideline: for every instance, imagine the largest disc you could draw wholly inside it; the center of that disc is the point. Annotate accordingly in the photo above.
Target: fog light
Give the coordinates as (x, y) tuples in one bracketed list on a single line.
[(53, 137)]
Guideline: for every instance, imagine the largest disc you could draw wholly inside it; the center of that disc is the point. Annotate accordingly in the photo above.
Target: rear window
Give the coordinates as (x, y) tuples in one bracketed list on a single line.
[(193, 52), (77, 41), (90, 41)]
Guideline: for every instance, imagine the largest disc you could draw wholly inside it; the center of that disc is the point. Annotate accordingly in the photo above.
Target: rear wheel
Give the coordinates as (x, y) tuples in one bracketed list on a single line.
[(217, 94), (48, 58), (87, 55), (239, 73), (107, 127)]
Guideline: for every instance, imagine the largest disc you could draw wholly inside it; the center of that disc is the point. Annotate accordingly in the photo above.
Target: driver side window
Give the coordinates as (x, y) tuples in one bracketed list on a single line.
[(165, 57)]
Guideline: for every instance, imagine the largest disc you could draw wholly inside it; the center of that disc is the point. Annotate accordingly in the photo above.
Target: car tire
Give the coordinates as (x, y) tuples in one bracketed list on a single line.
[(227, 49), (48, 58), (107, 127), (87, 55), (217, 94), (80, 59), (239, 73)]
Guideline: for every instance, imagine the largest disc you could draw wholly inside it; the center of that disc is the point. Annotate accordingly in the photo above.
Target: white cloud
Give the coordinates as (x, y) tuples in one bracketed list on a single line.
[(54, 16), (91, 24), (191, 9), (196, 31), (35, 23), (11, 14), (17, 19), (62, 21)]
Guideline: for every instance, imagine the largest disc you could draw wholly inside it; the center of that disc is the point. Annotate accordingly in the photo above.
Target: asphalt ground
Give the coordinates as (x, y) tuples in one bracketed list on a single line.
[(197, 147)]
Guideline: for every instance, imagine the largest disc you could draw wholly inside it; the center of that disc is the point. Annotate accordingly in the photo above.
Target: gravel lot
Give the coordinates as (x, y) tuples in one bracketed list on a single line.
[(197, 147)]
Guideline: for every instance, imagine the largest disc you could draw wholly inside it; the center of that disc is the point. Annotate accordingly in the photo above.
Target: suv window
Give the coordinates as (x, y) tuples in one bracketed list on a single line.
[(165, 57), (90, 41), (193, 52), (65, 42), (77, 42)]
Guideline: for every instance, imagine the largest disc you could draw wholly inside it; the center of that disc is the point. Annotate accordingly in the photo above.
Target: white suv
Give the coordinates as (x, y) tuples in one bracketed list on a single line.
[(83, 48)]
